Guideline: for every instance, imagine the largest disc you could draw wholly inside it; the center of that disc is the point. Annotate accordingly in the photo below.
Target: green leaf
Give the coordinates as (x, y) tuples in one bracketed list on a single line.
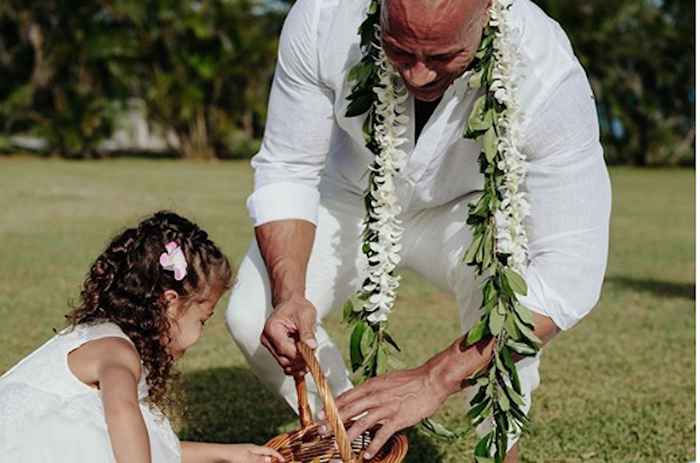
[(475, 79), (359, 105), (490, 144), (471, 253), (482, 447), (524, 313), (508, 361), (368, 342), (480, 395), (439, 430), (391, 341), (477, 333), (356, 357), (495, 322), (479, 119), (511, 327), (503, 401), (515, 397), (521, 348), (476, 410), (382, 361), (515, 281), (527, 332)]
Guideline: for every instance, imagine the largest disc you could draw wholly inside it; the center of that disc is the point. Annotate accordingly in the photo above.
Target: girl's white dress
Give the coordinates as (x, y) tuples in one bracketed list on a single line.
[(48, 415)]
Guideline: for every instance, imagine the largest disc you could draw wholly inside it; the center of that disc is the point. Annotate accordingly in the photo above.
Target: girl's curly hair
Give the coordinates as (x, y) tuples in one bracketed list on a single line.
[(126, 283)]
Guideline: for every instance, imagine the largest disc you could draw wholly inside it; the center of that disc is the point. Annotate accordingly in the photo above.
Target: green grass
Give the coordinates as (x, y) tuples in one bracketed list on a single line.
[(619, 387)]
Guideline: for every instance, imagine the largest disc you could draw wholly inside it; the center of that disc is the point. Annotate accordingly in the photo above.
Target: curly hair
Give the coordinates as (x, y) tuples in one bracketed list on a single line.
[(126, 283)]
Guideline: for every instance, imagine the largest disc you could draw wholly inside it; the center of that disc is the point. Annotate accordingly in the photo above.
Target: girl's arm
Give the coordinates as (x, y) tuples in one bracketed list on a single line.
[(118, 372), (200, 452)]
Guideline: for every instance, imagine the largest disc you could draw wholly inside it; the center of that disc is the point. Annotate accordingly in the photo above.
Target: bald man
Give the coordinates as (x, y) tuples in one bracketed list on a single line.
[(312, 171)]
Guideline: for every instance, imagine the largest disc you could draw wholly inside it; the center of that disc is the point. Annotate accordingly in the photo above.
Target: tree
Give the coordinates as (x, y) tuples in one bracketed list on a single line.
[(640, 57), (53, 85), (202, 68)]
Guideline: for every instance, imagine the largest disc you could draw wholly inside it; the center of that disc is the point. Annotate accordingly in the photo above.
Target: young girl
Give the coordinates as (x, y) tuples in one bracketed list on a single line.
[(94, 393)]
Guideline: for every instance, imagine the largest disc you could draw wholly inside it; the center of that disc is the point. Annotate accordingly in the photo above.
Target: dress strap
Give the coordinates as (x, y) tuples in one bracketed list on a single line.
[(92, 332)]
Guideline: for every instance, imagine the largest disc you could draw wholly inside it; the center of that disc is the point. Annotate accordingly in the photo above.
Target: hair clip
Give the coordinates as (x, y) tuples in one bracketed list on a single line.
[(174, 260)]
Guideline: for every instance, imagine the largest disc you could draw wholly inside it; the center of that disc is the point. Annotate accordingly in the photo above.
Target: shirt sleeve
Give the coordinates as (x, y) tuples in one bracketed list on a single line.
[(569, 191), (298, 128)]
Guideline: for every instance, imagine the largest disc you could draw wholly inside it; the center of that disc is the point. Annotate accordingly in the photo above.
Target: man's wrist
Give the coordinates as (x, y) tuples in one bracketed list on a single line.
[(288, 296), (448, 369)]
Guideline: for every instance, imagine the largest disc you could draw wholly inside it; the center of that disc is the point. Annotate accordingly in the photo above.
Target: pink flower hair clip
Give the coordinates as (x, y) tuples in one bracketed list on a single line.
[(174, 260)]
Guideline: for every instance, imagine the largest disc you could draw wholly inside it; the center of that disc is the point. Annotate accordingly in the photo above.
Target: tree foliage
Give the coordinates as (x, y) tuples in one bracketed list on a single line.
[(202, 69), (640, 58)]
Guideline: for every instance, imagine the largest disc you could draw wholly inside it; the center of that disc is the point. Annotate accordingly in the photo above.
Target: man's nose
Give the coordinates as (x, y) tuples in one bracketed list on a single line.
[(419, 74)]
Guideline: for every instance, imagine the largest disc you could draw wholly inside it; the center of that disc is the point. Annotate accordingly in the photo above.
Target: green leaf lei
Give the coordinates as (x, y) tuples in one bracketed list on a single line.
[(497, 261)]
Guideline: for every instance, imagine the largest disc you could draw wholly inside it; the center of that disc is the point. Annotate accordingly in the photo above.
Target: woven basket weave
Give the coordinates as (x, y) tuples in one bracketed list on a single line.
[(307, 445)]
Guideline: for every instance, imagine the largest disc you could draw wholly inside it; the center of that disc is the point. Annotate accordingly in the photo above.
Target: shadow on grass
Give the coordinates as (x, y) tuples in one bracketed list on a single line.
[(231, 405), (655, 287)]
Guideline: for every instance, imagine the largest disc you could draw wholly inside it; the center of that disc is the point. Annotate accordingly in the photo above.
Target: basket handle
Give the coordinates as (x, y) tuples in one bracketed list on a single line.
[(334, 421)]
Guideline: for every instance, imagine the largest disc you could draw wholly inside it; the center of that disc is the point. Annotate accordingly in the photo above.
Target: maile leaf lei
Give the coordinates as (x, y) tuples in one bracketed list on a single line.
[(498, 251)]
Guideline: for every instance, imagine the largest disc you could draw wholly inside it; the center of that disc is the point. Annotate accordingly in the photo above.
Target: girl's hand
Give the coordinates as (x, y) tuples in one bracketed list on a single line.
[(249, 453)]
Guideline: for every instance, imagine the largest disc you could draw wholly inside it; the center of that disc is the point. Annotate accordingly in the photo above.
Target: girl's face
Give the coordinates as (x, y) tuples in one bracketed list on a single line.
[(187, 319)]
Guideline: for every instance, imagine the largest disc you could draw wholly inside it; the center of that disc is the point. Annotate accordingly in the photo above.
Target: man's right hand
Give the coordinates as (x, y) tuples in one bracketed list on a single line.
[(292, 320)]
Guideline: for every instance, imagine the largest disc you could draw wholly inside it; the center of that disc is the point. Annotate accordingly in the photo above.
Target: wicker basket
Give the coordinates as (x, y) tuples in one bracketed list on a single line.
[(306, 445)]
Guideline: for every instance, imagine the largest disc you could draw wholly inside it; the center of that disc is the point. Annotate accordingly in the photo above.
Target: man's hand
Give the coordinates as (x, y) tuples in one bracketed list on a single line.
[(403, 398), (293, 319), (396, 400)]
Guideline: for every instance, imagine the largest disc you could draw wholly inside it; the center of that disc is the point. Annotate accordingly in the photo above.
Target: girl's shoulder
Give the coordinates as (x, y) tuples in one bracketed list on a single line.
[(97, 330), (101, 345)]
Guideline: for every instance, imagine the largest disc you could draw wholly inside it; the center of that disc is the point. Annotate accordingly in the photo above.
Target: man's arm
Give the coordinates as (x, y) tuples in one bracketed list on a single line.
[(284, 205), (285, 246)]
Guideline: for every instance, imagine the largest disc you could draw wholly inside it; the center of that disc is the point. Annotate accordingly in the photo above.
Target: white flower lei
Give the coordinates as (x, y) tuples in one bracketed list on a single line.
[(390, 130), (511, 237)]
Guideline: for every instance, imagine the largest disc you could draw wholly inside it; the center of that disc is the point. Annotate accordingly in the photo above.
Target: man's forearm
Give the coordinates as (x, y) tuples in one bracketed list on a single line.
[(285, 246), (451, 367)]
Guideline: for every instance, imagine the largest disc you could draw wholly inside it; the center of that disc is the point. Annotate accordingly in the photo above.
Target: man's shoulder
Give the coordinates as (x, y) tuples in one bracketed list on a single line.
[(544, 50)]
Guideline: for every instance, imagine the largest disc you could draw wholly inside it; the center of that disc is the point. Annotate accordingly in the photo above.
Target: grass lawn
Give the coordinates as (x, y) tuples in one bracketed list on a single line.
[(619, 387)]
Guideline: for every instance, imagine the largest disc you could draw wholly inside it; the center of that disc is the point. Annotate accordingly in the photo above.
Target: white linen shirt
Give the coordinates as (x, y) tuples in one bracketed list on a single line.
[(307, 137)]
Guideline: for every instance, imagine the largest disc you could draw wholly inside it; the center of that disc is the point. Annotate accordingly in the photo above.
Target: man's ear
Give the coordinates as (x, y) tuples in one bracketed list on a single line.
[(172, 299)]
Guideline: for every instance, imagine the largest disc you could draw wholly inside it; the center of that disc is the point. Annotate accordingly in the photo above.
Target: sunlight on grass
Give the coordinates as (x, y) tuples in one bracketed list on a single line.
[(618, 387)]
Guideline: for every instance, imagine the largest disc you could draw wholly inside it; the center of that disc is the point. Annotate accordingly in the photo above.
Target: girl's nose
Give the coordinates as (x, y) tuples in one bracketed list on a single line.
[(419, 74)]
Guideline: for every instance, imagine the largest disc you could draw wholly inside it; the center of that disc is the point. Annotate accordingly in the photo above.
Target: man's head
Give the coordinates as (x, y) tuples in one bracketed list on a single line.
[(431, 42)]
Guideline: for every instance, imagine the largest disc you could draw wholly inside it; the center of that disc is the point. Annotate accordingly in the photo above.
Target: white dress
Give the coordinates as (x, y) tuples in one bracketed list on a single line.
[(48, 415)]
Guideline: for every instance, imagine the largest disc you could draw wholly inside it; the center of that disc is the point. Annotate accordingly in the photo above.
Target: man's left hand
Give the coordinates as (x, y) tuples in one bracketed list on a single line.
[(395, 400)]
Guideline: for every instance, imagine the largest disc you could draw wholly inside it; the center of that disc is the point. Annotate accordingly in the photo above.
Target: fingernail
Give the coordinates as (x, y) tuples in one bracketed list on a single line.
[(311, 343), (367, 455), (323, 430)]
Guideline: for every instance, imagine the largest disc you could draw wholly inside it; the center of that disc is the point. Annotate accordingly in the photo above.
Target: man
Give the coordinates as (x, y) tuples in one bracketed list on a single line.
[(312, 171)]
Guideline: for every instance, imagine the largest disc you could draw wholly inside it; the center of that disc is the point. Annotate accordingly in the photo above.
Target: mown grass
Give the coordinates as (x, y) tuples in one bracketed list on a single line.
[(618, 387)]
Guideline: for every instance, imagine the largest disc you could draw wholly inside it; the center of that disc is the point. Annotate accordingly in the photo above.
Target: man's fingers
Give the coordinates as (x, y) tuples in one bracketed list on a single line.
[(307, 328), (283, 361), (281, 341), (365, 423), (383, 435), (353, 394), (359, 406)]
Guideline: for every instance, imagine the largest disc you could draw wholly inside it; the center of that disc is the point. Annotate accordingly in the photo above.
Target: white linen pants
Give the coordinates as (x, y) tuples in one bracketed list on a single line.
[(434, 242)]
